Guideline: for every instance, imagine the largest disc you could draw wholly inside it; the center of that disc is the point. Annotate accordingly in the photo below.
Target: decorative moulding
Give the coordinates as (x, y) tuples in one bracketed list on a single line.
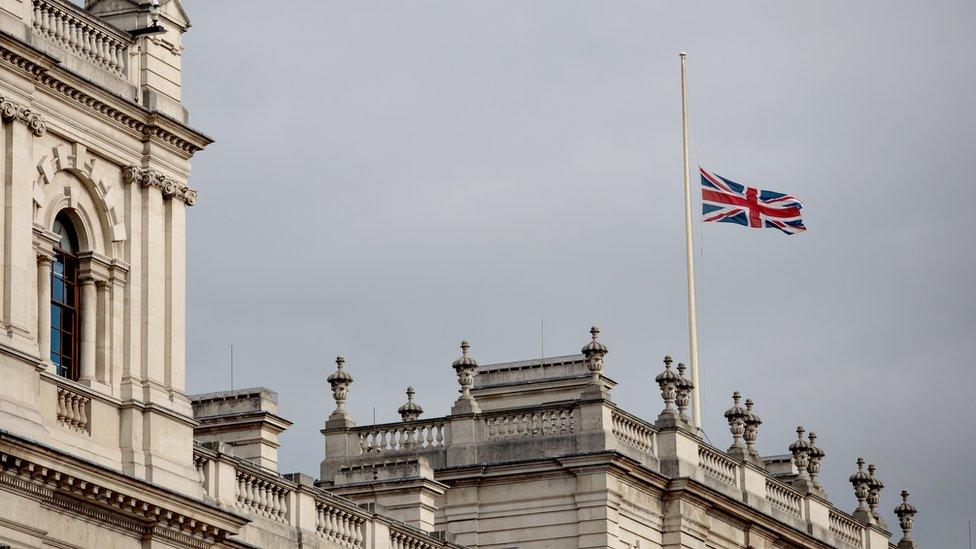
[(11, 110), (148, 177), (76, 160), (71, 493), (151, 126)]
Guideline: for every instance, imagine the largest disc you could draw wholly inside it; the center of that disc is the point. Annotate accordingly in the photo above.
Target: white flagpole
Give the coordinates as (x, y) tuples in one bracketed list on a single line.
[(692, 319)]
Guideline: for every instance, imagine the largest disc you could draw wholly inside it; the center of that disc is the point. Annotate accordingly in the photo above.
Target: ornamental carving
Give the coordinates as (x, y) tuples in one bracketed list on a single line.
[(84, 497), (174, 134), (10, 110), (148, 177)]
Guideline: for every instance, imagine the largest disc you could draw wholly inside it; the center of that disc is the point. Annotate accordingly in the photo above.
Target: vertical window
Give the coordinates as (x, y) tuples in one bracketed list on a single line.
[(65, 300)]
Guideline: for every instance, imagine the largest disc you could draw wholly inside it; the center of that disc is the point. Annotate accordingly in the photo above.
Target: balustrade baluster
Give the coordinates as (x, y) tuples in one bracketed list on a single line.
[(73, 414), (333, 523), (65, 22), (82, 413), (343, 532)]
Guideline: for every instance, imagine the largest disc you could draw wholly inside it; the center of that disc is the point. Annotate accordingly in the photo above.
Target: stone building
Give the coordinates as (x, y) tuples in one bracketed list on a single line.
[(100, 445)]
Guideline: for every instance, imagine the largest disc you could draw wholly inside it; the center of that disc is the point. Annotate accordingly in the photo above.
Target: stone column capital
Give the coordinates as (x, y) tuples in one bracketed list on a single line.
[(14, 111)]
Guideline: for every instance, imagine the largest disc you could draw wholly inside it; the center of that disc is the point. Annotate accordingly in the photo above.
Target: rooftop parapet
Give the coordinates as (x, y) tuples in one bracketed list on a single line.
[(546, 411), (131, 48), (284, 509)]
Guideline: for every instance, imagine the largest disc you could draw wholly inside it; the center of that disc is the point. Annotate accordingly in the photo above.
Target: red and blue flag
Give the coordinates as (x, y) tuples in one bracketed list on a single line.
[(725, 201)]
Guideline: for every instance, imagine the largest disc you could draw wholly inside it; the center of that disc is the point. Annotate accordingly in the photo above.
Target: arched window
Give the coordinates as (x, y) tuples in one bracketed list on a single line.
[(65, 300)]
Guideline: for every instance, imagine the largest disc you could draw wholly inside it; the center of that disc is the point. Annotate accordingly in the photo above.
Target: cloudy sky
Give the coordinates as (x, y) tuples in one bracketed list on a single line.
[(390, 178)]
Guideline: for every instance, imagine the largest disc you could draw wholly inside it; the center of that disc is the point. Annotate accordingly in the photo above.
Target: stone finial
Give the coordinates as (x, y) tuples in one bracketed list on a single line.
[(753, 421), (816, 456), (466, 368), (683, 398), (874, 496), (861, 481), (668, 381), (801, 453), (340, 380), (736, 416), (410, 410), (906, 520), (594, 351)]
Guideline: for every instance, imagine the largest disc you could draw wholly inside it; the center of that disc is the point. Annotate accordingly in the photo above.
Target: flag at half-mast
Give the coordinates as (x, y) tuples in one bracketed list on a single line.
[(725, 201)]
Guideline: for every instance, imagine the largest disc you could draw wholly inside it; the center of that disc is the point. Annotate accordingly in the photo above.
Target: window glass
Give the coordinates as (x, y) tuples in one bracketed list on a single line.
[(64, 299)]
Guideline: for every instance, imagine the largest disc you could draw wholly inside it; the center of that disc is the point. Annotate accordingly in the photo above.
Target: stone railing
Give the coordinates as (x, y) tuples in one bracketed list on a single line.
[(784, 498), (297, 504), (262, 496), (340, 526), (530, 423), (74, 409), (633, 432), (396, 437), (717, 465), (403, 540), (846, 528), (82, 34)]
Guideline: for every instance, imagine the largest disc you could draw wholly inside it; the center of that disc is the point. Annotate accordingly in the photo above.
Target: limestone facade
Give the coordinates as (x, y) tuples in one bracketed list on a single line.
[(110, 451), (93, 134)]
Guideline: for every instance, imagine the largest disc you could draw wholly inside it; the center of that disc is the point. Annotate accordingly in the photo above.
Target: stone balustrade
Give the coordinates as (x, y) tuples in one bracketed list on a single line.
[(633, 432), (263, 496), (846, 528), (340, 526), (402, 540), (784, 498), (82, 34), (530, 423), (292, 504), (401, 436), (434, 433), (74, 409), (717, 465)]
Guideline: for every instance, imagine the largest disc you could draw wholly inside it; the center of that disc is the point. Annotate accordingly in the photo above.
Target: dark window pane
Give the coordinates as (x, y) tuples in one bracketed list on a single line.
[(55, 341), (55, 316), (59, 267), (66, 344), (57, 290), (55, 358)]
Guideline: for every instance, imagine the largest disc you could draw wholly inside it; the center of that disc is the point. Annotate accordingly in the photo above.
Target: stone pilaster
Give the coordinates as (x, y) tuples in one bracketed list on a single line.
[(44, 262)]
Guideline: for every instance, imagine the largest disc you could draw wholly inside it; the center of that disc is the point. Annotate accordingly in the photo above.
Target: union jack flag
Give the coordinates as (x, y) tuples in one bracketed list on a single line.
[(726, 201)]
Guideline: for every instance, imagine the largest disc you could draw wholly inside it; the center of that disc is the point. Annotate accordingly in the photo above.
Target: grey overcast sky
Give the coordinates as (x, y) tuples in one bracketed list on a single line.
[(390, 178)]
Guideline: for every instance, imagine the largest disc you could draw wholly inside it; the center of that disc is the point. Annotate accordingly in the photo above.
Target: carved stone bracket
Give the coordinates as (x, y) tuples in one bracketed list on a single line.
[(170, 187), (11, 110)]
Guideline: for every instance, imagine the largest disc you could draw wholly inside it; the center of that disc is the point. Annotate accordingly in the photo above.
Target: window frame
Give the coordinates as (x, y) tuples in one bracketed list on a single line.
[(70, 307)]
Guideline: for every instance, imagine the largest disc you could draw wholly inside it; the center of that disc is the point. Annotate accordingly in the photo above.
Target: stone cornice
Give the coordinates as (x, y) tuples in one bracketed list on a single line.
[(11, 110), (701, 495), (46, 71), (171, 188), (61, 481)]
